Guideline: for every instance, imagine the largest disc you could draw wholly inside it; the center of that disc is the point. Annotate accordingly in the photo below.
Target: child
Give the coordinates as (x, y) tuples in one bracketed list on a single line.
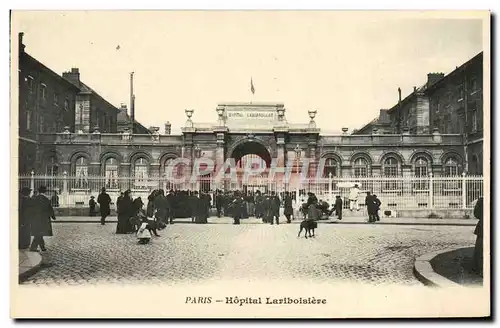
[(92, 204), (143, 233)]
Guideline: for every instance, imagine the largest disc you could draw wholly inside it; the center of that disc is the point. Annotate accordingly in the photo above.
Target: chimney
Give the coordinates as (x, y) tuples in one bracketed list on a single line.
[(73, 76), (433, 78), (168, 128), (414, 89), (132, 101), (399, 92), (21, 45)]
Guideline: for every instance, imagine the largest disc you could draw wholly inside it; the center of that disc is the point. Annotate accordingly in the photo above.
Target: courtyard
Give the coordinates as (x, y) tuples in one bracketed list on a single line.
[(88, 253)]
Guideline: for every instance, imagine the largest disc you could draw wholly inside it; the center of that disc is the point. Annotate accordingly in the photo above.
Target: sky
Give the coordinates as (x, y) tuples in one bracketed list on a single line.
[(345, 65)]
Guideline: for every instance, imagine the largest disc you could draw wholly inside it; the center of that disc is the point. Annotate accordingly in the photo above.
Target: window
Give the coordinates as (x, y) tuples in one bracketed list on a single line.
[(56, 99), (451, 167), (474, 120), (43, 91), (448, 99), (421, 167), (66, 104), (28, 120), (360, 167), (111, 173), (79, 117), (81, 173), (390, 171), (141, 172), (391, 167), (331, 166), (438, 104), (473, 84), (460, 92), (31, 83), (42, 125), (52, 167)]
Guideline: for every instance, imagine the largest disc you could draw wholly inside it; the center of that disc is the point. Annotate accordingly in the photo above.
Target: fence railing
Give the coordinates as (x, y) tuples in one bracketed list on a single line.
[(397, 193)]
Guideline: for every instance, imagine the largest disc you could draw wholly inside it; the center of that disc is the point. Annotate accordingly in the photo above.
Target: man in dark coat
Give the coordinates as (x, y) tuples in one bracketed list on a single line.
[(478, 231), (219, 200), (370, 206), (92, 205), (104, 200), (288, 211), (237, 207), (259, 211), (171, 210), (25, 212), (338, 207), (377, 203), (162, 207), (275, 208), (40, 222)]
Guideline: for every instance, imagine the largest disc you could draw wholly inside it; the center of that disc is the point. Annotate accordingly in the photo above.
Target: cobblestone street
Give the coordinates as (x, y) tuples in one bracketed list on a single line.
[(87, 253)]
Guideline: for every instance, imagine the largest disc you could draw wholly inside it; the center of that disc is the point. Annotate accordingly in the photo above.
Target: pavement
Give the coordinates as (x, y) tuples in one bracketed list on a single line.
[(376, 254), (448, 268), (29, 263), (345, 220)]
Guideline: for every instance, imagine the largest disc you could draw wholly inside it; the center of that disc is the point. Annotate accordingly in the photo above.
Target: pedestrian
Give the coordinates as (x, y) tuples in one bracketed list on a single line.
[(125, 212), (353, 198), (162, 206), (478, 231), (370, 207), (171, 209), (275, 208), (378, 203), (218, 202), (104, 200), (25, 213), (40, 223), (288, 210), (92, 205), (338, 207), (237, 207)]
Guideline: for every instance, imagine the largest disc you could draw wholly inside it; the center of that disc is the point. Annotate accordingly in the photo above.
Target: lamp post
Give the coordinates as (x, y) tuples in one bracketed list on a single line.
[(298, 152)]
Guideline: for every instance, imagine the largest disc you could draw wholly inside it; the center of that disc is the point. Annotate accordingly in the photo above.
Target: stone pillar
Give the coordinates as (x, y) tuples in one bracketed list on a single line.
[(280, 160), (124, 172), (219, 158)]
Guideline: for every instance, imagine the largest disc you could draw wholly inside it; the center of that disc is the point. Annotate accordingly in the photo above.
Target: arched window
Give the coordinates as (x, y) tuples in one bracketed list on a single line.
[(421, 167), (141, 172), (360, 167), (451, 167), (391, 167), (52, 168), (81, 173), (421, 172), (111, 173), (331, 166)]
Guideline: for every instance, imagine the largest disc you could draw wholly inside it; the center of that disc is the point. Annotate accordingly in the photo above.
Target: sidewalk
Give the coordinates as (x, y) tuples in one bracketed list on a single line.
[(29, 263), (346, 220), (447, 268)]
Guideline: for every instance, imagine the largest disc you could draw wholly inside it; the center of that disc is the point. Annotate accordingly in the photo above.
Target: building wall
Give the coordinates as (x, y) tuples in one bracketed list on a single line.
[(456, 104), (46, 105)]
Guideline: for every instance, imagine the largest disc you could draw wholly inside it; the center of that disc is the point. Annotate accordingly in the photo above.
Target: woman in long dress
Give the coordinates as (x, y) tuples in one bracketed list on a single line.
[(125, 212)]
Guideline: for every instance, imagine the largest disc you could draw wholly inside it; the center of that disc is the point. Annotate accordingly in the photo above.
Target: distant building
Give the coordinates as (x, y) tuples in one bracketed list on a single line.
[(91, 109)]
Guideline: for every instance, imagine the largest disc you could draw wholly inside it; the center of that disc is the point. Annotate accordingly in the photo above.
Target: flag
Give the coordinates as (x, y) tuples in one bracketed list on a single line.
[(251, 86)]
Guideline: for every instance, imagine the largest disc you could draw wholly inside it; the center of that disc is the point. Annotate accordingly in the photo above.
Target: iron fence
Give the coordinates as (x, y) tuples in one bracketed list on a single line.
[(457, 192)]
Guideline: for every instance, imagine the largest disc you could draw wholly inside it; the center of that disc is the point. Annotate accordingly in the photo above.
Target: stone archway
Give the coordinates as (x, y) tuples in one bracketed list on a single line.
[(259, 155), (251, 147)]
